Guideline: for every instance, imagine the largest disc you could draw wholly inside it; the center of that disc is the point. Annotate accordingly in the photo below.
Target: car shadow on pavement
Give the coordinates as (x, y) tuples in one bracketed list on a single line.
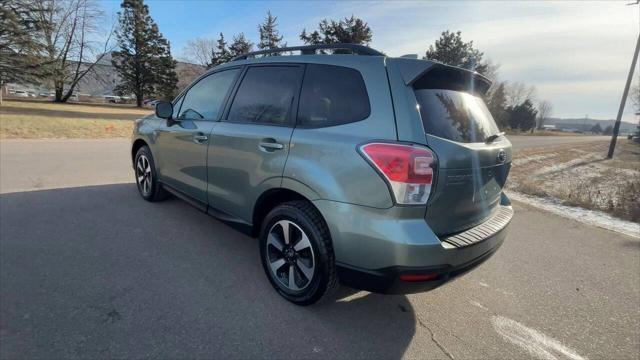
[(98, 272)]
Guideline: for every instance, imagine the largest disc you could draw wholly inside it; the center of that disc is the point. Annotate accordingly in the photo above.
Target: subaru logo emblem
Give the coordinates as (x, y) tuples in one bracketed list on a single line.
[(502, 156)]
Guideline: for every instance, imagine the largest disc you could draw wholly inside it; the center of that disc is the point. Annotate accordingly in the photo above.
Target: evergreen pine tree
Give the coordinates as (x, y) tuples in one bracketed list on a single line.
[(144, 60), (20, 48), (222, 54), (451, 50), (522, 116), (270, 38), (351, 30), (240, 45)]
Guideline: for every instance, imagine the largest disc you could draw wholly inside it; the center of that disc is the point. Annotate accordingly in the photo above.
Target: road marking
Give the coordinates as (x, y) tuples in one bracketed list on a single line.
[(475, 303), (533, 341)]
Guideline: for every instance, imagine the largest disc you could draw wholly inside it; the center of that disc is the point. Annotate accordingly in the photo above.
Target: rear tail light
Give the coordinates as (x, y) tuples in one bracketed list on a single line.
[(408, 169)]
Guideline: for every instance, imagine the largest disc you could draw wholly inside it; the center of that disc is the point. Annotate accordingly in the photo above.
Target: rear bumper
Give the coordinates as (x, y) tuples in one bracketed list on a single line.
[(388, 281), (374, 248)]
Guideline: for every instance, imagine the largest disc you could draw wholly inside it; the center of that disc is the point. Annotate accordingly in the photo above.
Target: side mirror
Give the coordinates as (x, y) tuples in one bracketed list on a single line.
[(164, 109)]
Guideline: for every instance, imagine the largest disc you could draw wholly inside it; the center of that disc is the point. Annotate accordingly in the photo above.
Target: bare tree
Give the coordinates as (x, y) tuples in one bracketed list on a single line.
[(491, 70), (69, 42), (545, 108), (517, 93), (200, 51)]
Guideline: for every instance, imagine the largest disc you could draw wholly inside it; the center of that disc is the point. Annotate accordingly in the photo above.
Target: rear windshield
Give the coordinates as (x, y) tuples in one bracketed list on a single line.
[(455, 115)]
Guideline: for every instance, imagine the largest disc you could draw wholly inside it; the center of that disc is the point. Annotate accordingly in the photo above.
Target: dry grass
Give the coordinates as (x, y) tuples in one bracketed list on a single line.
[(40, 120), (579, 175), (542, 133)]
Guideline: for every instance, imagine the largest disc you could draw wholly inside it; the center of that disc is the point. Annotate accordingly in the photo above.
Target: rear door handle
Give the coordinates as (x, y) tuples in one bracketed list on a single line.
[(200, 138), (271, 144)]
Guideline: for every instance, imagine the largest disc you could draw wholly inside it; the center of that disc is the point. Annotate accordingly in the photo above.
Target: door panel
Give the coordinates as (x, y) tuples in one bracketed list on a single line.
[(241, 158), (182, 146), (249, 147), (183, 150)]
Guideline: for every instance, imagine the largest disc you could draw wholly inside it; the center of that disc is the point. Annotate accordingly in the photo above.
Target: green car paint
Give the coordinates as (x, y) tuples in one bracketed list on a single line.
[(228, 167)]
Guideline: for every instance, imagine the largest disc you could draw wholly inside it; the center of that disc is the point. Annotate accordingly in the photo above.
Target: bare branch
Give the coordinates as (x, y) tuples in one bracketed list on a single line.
[(199, 51)]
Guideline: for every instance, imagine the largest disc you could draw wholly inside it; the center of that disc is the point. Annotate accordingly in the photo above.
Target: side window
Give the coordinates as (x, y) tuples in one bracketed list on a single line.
[(204, 100), (332, 95), (266, 94)]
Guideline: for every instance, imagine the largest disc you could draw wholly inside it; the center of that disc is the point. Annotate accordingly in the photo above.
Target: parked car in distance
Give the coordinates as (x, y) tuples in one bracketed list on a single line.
[(150, 102), (383, 174), (20, 93), (112, 99)]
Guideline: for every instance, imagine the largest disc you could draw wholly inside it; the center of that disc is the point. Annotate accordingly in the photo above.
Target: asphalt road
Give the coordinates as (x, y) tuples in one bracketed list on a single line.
[(93, 271), (52, 164)]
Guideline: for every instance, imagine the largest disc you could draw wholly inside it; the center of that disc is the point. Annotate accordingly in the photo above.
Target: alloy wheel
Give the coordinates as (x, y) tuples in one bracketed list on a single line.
[(143, 174), (290, 255)]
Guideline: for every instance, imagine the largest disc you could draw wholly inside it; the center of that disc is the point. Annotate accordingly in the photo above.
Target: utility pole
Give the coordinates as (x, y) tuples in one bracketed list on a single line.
[(625, 93)]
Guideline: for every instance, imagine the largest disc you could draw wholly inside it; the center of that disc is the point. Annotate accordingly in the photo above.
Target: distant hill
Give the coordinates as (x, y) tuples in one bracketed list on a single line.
[(103, 78), (585, 124)]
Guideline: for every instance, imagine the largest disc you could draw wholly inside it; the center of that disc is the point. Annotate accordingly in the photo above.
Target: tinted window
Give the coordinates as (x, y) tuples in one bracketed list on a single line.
[(332, 95), (204, 100), (455, 115), (266, 95)]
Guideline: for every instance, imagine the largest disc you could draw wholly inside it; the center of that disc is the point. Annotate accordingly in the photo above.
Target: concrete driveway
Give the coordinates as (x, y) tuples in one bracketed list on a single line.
[(93, 271)]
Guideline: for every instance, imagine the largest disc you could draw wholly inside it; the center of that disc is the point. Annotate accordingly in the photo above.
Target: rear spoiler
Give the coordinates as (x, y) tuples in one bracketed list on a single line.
[(426, 74)]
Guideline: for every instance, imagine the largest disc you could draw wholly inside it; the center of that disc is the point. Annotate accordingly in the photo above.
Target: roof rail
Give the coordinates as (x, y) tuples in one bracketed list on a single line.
[(311, 50)]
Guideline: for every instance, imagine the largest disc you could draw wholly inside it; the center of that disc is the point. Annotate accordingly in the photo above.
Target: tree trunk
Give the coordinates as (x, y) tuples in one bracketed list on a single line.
[(68, 94), (139, 99), (59, 89)]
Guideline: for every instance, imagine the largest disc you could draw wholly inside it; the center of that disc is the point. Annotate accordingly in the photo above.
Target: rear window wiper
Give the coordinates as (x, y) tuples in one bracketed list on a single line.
[(491, 138)]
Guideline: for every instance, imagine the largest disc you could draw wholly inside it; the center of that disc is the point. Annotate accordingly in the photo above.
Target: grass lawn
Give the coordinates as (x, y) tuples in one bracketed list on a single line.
[(43, 120)]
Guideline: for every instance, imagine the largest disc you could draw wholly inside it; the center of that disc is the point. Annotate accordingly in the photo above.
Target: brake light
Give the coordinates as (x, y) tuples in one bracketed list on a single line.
[(408, 169)]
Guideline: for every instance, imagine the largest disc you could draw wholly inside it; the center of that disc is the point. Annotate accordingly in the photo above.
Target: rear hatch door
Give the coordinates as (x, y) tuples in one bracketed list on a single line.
[(473, 158)]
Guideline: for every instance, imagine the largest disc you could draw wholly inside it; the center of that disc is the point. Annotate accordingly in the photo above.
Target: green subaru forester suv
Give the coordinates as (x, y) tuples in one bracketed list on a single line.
[(383, 174)]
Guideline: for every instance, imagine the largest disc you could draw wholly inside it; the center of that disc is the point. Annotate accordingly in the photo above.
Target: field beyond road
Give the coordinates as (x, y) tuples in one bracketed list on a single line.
[(43, 120), (578, 174)]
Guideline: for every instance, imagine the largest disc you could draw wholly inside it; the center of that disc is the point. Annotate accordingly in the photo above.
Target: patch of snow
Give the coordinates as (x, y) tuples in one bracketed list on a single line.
[(565, 165), (591, 217), (519, 161)]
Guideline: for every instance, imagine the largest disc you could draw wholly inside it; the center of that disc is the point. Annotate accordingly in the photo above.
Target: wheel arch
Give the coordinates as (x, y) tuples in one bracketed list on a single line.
[(270, 199), (137, 144)]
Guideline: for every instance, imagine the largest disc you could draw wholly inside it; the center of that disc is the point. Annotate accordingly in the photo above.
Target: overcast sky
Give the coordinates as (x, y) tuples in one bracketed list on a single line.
[(576, 54)]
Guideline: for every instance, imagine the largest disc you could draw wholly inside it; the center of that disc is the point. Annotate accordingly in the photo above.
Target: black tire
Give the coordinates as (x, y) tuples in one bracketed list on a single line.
[(152, 191), (304, 217)]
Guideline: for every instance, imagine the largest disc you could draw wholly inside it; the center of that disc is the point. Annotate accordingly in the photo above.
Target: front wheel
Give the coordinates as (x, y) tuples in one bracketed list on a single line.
[(297, 254), (146, 177)]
